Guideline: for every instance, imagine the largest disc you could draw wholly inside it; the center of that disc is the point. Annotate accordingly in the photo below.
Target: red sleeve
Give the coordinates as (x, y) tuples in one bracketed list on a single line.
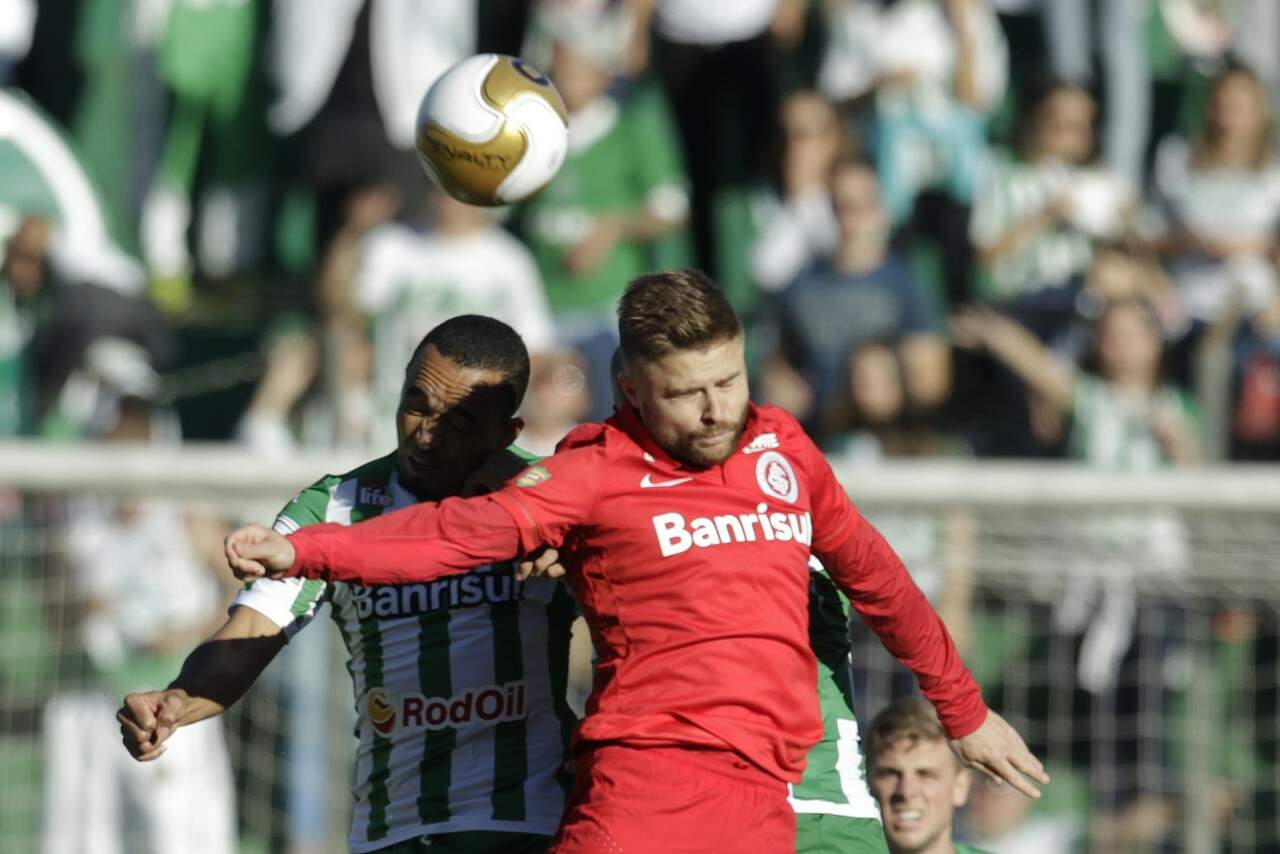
[(418, 543), (554, 496), (879, 587)]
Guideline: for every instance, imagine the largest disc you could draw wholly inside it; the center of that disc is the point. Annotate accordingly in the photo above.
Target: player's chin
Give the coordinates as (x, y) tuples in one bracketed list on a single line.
[(704, 453)]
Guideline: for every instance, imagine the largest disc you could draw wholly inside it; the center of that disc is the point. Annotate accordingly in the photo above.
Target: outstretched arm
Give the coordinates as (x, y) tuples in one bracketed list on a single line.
[(429, 540), (879, 587), (214, 677), (418, 543)]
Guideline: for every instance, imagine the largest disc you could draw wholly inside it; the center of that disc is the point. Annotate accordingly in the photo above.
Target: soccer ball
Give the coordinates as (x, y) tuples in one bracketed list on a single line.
[(492, 130)]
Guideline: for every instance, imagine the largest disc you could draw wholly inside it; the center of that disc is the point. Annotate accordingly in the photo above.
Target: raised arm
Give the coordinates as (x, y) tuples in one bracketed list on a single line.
[(1017, 348), (881, 590), (214, 677)]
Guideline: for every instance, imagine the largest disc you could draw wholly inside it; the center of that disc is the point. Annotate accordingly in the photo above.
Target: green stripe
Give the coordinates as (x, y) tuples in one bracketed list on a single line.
[(510, 738), (311, 590), (436, 679), (340, 616), (371, 645), (560, 616)]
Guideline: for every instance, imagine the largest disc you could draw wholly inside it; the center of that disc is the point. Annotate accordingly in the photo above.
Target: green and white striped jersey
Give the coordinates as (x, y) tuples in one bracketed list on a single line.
[(834, 781), (459, 683)]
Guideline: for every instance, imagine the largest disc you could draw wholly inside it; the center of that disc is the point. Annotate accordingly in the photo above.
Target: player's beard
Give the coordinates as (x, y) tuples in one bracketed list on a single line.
[(686, 448)]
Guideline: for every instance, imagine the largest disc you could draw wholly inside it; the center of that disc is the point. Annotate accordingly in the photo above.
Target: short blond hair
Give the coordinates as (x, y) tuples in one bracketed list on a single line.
[(910, 719)]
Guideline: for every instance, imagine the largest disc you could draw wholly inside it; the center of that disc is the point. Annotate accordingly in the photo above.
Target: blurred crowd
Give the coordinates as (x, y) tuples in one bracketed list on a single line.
[(959, 227)]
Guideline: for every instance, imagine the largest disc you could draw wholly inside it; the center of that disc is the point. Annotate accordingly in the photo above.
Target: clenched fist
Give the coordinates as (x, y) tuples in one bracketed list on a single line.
[(257, 552), (147, 719)]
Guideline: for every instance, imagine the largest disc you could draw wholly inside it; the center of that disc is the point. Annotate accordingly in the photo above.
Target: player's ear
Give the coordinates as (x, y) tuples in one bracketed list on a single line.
[(627, 388), (960, 788), (513, 429)]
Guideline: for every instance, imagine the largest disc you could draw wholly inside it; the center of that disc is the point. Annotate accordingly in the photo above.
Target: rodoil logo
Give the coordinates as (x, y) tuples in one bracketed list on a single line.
[(484, 705)]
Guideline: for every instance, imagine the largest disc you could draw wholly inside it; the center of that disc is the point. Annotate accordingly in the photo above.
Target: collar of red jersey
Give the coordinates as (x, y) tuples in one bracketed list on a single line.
[(628, 420)]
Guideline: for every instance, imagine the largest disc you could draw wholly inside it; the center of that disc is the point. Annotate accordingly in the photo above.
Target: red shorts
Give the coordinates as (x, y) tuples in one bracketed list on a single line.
[(666, 800)]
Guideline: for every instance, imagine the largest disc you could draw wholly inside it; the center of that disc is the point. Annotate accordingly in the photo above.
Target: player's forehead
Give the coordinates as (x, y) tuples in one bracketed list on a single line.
[(696, 368), (915, 754), (445, 382)]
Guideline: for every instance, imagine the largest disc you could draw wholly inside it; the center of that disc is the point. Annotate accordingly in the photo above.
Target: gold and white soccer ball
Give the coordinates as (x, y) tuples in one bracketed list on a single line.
[(492, 130)]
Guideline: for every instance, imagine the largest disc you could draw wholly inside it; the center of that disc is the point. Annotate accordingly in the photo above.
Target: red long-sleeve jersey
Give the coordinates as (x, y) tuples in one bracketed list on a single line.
[(694, 582)]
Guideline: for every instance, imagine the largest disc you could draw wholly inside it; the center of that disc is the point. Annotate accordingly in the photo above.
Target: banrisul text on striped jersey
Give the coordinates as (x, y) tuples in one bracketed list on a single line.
[(486, 587)]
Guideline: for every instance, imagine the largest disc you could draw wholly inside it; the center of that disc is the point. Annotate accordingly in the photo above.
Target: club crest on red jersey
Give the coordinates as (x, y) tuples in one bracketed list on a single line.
[(776, 477)]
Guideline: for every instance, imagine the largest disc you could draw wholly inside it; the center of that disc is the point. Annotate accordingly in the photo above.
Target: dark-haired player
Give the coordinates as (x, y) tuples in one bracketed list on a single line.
[(459, 683)]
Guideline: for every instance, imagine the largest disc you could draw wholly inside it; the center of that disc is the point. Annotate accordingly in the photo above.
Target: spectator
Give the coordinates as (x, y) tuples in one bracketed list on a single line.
[(1256, 419), (1123, 416), (149, 572), (389, 282), (77, 332), (269, 426), (936, 69), (872, 419), (1035, 218), (41, 177), (718, 63), (875, 423), (1000, 821), (795, 224), (1064, 318), (349, 76), (862, 293), (1219, 197), (621, 188), (557, 401)]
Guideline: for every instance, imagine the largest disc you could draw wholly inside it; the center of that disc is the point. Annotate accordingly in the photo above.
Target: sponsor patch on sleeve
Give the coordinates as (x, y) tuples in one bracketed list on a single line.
[(533, 476)]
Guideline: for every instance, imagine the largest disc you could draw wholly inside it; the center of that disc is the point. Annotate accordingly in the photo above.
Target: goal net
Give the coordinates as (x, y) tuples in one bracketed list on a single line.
[(1127, 625)]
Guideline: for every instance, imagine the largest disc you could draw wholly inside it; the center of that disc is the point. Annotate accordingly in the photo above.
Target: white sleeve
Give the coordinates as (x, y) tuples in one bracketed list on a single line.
[(290, 603)]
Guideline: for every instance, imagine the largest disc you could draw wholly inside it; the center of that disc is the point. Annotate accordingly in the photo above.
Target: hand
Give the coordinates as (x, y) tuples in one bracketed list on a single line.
[(257, 552), (590, 252), (996, 750), (542, 562), (148, 719)]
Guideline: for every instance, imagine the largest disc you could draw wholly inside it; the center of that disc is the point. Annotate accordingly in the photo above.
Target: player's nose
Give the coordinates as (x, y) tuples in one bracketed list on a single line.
[(713, 411), (425, 434)]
